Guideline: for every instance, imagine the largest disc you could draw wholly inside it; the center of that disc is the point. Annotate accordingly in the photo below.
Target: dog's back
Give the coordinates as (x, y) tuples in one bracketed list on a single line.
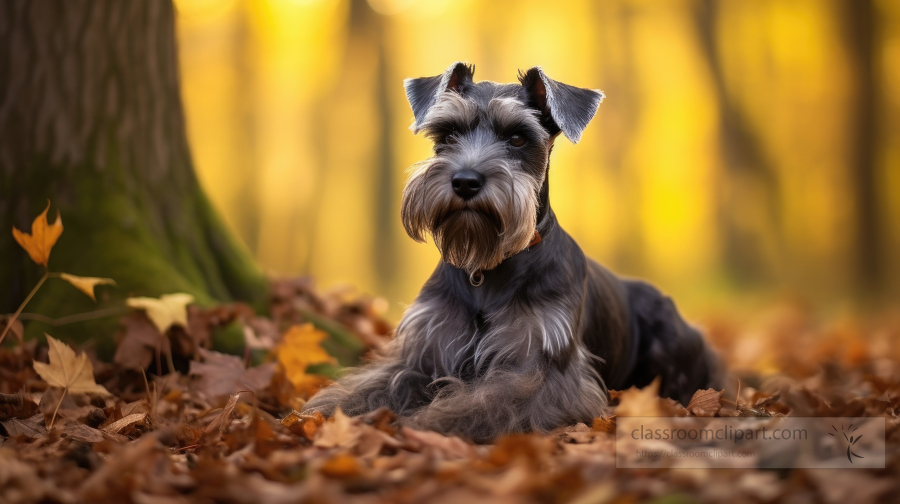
[(653, 340)]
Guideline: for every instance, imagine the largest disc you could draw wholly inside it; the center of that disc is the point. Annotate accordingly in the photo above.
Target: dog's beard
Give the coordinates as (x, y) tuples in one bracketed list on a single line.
[(477, 234)]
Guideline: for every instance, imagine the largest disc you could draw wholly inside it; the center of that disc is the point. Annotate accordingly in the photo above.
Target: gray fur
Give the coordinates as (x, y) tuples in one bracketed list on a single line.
[(535, 346)]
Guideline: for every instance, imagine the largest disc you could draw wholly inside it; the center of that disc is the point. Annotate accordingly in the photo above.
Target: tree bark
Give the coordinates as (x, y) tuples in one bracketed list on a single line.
[(861, 33), (91, 119)]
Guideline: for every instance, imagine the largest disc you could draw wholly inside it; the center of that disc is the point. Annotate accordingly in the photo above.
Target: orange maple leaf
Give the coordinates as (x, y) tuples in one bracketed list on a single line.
[(42, 238), (300, 347)]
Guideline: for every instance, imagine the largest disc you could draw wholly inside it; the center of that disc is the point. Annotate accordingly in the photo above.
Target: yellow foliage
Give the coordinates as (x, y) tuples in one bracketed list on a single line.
[(86, 284), (166, 311)]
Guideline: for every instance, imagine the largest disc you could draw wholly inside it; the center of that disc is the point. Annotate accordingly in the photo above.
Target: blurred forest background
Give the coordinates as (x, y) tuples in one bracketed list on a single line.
[(744, 149)]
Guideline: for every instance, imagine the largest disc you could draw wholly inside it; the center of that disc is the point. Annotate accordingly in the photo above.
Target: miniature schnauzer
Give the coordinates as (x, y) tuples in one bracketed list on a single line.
[(516, 330)]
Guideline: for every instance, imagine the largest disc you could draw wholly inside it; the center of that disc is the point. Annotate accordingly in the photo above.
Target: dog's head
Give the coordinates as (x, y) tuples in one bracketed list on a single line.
[(481, 192)]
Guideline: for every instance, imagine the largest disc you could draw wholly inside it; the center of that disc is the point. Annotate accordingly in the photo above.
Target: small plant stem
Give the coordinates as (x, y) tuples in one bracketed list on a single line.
[(53, 419), (22, 306), (158, 359), (170, 361)]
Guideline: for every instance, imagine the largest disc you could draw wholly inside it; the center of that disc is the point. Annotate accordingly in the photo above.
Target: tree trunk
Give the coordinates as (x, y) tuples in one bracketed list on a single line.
[(91, 119), (861, 32)]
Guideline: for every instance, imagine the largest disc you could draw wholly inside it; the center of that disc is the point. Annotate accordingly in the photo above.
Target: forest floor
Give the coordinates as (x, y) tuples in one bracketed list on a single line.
[(216, 430)]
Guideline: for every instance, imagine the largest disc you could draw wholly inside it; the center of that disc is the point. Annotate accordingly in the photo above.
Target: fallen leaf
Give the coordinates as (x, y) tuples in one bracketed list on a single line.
[(68, 371), (86, 284), (222, 374), (705, 403), (128, 421), (138, 341), (643, 402), (32, 427), (339, 431), (83, 433), (605, 424), (217, 426), (342, 465), (300, 347), (451, 447), (16, 406), (165, 311), (303, 425), (42, 238)]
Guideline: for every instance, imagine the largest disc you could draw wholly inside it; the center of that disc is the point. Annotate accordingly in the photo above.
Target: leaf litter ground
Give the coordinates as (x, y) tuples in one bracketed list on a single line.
[(219, 430)]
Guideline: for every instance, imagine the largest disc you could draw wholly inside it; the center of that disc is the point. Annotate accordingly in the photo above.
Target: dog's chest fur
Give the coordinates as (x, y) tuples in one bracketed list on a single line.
[(541, 301)]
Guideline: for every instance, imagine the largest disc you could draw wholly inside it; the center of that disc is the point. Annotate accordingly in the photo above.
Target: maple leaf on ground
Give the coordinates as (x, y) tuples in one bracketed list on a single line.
[(137, 342), (68, 371), (165, 311), (86, 284), (74, 374), (222, 374), (645, 402), (43, 236), (299, 348)]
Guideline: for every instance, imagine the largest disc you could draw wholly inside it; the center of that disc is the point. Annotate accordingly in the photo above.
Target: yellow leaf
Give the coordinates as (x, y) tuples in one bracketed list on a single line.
[(68, 371), (86, 284), (166, 311), (300, 347), (42, 238)]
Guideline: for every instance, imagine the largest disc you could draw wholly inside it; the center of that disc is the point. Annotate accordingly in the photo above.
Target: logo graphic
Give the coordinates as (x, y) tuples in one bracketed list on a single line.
[(850, 440)]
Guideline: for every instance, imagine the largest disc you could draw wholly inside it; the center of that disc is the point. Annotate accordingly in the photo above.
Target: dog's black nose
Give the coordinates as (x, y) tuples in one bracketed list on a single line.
[(467, 183)]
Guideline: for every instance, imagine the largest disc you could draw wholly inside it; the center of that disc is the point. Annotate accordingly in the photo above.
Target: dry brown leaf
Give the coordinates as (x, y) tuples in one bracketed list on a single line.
[(165, 311), (86, 284), (339, 431), (42, 238), (32, 427), (218, 425), (128, 421), (705, 403), (68, 371), (643, 402), (222, 374), (451, 447), (17, 406), (303, 425), (605, 424), (138, 341)]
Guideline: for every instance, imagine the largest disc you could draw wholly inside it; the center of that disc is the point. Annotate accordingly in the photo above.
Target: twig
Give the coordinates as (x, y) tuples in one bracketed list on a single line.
[(22, 306), (79, 317), (150, 399), (50, 427)]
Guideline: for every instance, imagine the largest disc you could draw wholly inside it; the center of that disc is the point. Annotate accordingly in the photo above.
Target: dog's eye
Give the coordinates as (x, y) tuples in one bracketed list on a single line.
[(448, 137), (516, 140)]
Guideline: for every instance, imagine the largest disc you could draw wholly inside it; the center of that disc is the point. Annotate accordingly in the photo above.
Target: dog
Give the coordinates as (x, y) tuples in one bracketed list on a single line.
[(516, 330)]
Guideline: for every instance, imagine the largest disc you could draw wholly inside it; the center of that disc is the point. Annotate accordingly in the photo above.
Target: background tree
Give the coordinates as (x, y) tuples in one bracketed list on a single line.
[(91, 119)]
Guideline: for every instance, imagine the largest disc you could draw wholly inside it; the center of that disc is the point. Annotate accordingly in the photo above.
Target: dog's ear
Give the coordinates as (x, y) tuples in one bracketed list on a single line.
[(563, 107), (424, 92)]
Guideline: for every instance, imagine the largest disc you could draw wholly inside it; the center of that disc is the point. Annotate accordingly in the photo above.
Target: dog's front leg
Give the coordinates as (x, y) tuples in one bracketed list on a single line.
[(387, 381), (429, 340), (547, 380)]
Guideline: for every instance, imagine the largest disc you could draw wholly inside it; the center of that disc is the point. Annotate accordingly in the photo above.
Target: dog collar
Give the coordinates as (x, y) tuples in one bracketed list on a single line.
[(476, 278)]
